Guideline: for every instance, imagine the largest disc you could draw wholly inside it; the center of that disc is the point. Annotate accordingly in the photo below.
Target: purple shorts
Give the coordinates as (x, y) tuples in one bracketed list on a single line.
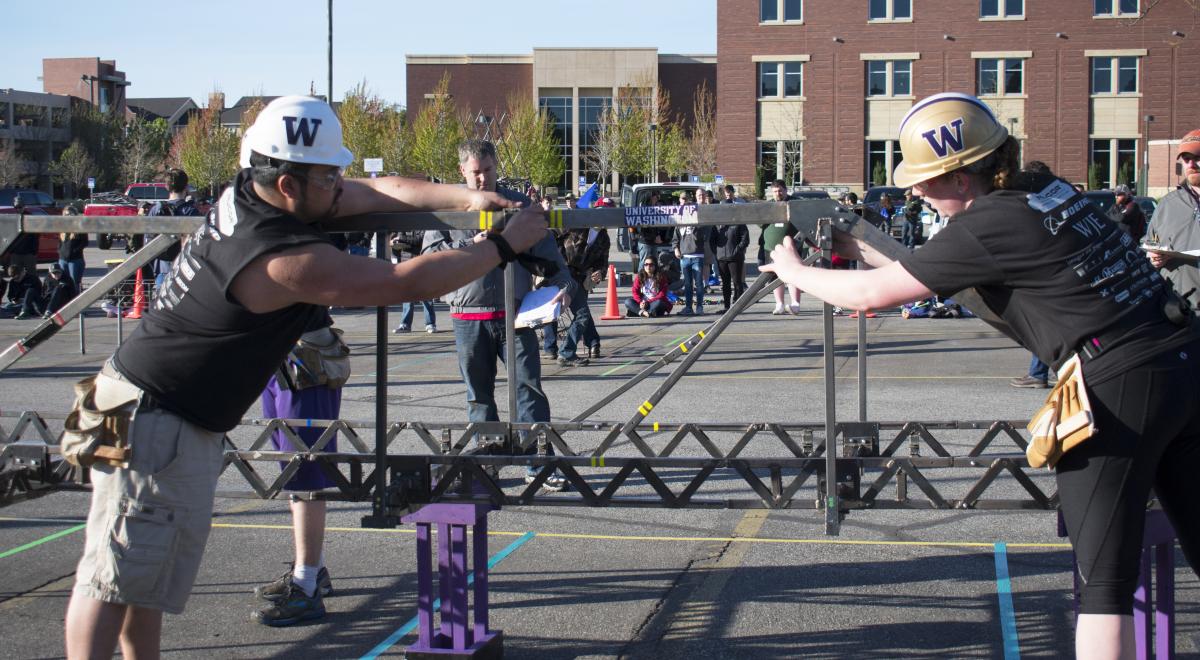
[(310, 403)]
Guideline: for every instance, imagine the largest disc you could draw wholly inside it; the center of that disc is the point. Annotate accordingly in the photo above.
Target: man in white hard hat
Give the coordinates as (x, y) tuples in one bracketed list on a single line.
[(248, 283)]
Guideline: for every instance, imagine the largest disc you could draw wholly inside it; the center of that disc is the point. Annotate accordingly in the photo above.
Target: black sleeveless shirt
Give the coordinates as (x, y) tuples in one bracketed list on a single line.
[(199, 352)]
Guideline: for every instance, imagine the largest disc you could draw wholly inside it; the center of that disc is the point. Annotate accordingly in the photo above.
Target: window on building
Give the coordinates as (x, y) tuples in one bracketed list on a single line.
[(793, 79), (1114, 7), (58, 117), (768, 79), (882, 158), (1000, 76), (769, 11), (889, 10), (889, 78), (4, 107), (792, 162), (768, 160), (1114, 75), (559, 108), (28, 115), (1001, 8), (1113, 162)]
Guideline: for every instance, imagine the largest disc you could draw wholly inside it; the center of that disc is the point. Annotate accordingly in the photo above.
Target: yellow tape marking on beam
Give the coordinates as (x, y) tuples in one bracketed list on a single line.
[(485, 220), (655, 427), (683, 347), (556, 219), (701, 333), (645, 408), (597, 461)]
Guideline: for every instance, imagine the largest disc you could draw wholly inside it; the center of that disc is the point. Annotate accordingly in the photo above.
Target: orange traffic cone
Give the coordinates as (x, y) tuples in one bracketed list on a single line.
[(139, 297), (611, 311)]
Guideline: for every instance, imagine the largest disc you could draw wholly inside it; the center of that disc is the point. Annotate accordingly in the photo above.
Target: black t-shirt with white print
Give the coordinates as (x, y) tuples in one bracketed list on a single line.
[(199, 352), (1058, 271)]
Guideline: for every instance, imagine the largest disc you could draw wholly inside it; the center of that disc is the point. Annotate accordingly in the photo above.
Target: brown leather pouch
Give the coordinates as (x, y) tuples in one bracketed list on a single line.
[(93, 436)]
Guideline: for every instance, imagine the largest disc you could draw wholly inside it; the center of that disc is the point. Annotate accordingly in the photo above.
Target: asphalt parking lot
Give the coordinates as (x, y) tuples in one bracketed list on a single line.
[(576, 582)]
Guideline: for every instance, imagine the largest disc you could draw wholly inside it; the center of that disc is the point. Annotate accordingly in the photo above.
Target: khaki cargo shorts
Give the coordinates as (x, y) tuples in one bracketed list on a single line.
[(149, 522)]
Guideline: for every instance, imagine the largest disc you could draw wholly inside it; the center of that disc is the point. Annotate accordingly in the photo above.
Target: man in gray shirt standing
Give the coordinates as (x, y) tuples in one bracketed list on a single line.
[(477, 310), (1176, 223)]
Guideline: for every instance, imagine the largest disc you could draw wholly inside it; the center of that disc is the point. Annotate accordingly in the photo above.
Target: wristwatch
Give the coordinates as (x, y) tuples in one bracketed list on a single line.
[(507, 255)]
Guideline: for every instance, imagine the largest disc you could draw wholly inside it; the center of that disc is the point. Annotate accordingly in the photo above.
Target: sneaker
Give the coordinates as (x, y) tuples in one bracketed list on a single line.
[(554, 483), (431, 328), (23, 316), (686, 311), (1029, 382), (794, 309), (572, 362), (295, 607), (594, 351), (644, 314), (401, 329), (280, 587), (838, 311), (699, 310), (549, 356), (778, 311)]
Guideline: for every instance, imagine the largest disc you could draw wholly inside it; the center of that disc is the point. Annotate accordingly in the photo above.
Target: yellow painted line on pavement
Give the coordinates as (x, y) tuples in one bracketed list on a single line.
[(677, 539), (990, 545)]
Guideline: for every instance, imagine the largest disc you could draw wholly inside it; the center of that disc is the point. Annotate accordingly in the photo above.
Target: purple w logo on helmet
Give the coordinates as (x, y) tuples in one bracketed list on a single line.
[(942, 140)]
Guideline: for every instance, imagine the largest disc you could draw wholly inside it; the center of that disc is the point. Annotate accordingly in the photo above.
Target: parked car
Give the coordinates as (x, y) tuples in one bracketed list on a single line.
[(1148, 205), (1104, 199), (47, 243), (871, 197), (28, 198), (110, 204), (809, 194)]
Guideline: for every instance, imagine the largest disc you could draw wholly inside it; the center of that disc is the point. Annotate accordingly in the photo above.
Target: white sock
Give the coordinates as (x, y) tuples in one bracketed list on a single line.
[(305, 577), (321, 561)]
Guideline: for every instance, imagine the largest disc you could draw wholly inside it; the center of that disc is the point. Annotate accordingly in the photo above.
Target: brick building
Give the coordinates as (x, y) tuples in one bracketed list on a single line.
[(89, 79), (814, 90), (575, 85)]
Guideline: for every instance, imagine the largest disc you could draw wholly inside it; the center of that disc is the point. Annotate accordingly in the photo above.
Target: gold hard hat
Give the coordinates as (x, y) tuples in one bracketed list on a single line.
[(944, 132)]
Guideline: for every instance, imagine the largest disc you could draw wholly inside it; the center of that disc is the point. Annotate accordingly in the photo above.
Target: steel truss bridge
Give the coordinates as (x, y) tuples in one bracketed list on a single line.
[(872, 464)]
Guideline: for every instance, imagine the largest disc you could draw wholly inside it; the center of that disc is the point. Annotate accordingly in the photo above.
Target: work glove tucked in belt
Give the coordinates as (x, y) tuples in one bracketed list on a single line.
[(1064, 420)]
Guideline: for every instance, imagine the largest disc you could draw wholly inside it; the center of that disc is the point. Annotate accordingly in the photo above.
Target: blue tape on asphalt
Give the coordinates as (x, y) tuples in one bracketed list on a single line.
[(412, 623), (1008, 616)]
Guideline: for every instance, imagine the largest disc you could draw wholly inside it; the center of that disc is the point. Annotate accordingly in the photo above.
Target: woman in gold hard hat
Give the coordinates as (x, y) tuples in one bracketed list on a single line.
[(1064, 281)]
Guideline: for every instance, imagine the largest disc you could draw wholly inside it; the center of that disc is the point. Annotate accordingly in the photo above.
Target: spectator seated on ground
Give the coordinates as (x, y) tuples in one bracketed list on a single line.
[(58, 288), (649, 292), (25, 299)]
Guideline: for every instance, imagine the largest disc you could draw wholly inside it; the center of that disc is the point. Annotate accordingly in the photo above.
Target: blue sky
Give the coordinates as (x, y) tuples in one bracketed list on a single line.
[(181, 48)]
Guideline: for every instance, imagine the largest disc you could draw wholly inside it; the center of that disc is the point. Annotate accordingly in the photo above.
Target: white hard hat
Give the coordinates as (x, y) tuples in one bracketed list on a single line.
[(297, 129)]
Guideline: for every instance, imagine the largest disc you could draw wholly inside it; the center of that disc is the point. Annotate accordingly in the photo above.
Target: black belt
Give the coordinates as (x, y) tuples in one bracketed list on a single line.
[(146, 401)]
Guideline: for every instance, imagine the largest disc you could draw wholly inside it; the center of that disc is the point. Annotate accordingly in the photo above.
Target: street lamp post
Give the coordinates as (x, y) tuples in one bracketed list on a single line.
[(654, 150), (1143, 181)]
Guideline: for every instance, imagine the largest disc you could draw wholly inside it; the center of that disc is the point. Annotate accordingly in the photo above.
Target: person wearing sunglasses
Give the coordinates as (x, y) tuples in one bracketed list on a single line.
[(650, 289), (1176, 223)]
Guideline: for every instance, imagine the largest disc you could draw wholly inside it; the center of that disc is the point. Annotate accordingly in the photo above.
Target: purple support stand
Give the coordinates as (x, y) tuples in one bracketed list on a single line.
[(454, 638), (1158, 543)]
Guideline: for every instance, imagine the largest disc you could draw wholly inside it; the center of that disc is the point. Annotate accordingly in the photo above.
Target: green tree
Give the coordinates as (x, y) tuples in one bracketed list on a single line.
[(1093, 176), (1125, 173), (207, 151), (672, 151), (372, 128), (436, 133), (100, 133), (73, 168), (879, 173), (526, 146), (143, 149), (631, 153)]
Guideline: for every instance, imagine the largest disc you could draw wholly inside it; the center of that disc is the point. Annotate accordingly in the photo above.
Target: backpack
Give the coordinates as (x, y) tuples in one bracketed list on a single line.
[(184, 208)]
